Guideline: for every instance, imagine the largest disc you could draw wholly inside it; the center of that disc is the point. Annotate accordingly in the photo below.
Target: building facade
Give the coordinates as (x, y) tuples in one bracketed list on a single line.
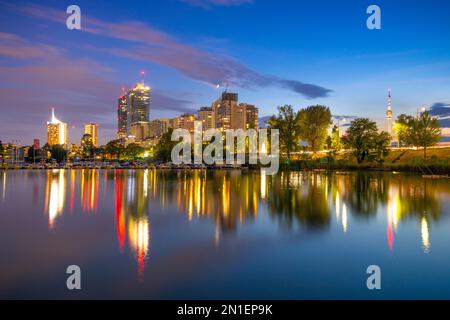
[(57, 132), (122, 117), (207, 116), (92, 130)]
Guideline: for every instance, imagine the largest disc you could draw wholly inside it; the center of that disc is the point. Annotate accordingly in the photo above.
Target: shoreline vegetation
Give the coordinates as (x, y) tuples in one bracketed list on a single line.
[(397, 160)]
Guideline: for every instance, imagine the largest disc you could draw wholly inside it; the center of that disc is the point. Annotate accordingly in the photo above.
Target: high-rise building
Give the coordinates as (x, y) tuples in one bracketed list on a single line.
[(122, 117), (229, 115), (57, 132), (389, 115), (92, 129), (158, 127), (138, 109), (186, 121), (250, 116), (228, 104), (207, 117)]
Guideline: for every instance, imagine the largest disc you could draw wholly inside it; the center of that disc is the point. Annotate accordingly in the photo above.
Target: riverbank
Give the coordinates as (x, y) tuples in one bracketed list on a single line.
[(401, 160)]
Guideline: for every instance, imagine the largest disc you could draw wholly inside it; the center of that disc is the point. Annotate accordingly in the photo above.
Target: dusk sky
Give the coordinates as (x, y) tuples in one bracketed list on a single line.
[(270, 52)]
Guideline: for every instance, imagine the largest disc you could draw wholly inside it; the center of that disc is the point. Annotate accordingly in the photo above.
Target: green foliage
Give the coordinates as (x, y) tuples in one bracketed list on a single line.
[(366, 142), (336, 144), (133, 151), (424, 131), (58, 153), (314, 122), (401, 129), (115, 148), (287, 123), (165, 146), (87, 145)]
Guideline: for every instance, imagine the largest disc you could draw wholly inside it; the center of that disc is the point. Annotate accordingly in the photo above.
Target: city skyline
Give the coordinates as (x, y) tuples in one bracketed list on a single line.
[(81, 73)]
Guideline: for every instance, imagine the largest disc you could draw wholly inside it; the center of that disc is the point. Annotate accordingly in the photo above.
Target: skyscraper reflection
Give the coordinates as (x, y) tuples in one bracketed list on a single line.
[(55, 195), (131, 201)]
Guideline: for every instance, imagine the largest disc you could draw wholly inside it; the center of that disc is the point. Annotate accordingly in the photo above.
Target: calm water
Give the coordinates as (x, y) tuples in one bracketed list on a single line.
[(153, 234)]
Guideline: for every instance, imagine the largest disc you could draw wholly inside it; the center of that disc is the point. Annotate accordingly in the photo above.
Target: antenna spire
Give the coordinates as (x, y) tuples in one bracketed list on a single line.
[(142, 76)]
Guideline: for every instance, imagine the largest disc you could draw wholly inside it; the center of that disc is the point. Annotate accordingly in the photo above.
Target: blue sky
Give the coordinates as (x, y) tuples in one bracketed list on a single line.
[(270, 52)]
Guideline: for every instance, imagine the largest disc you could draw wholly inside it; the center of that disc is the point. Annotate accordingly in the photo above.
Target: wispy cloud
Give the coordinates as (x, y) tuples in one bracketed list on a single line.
[(148, 44), (43, 76)]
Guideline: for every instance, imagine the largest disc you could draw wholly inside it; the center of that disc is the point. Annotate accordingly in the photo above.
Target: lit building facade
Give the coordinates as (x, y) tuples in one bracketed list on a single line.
[(138, 110), (122, 117), (207, 117), (92, 130), (57, 132)]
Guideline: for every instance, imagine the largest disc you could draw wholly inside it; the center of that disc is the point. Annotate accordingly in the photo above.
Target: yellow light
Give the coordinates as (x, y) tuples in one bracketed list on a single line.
[(425, 235)]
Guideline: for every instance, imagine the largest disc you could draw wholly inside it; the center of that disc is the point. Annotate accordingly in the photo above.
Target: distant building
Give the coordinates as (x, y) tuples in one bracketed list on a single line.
[(57, 132), (251, 116), (228, 105), (36, 144), (186, 121), (207, 117), (92, 130), (122, 117), (158, 127), (231, 115), (138, 109)]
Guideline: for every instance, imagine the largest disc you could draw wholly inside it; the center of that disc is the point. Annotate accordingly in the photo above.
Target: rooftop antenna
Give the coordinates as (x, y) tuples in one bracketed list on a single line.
[(142, 76)]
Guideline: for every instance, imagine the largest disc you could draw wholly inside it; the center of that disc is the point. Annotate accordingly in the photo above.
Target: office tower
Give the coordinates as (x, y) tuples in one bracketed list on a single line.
[(138, 111), (207, 117), (250, 116), (228, 104), (186, 121), (92, 130), (122, 117), (57, 132), (156, 128)]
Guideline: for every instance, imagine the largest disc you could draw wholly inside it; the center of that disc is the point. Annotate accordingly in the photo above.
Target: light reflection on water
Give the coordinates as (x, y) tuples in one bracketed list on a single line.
[(219, 208)]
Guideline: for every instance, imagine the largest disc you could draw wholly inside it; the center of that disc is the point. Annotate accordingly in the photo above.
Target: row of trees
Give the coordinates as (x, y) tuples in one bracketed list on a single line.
[(311, 125)]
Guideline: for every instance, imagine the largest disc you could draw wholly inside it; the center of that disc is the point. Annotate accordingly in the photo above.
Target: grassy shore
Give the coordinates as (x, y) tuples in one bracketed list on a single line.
[(407, 160)]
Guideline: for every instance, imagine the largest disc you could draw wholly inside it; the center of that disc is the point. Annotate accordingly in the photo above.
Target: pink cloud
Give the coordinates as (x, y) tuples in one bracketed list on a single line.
[(159, 47)]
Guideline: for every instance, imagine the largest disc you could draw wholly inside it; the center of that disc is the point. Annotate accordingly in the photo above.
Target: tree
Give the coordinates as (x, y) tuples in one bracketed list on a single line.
[(2, 152), (381, 143), (367, 143), (314, 122), (87, 145), (288, 126), (133, 151), (424, 131), (165, 146), (401, 128), (59, 154), (115, 148), (336, 144)]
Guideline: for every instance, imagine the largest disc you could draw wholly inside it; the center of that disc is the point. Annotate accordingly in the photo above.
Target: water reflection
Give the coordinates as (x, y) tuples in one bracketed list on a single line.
[(309, 201), (131, 201), (55, 193)]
